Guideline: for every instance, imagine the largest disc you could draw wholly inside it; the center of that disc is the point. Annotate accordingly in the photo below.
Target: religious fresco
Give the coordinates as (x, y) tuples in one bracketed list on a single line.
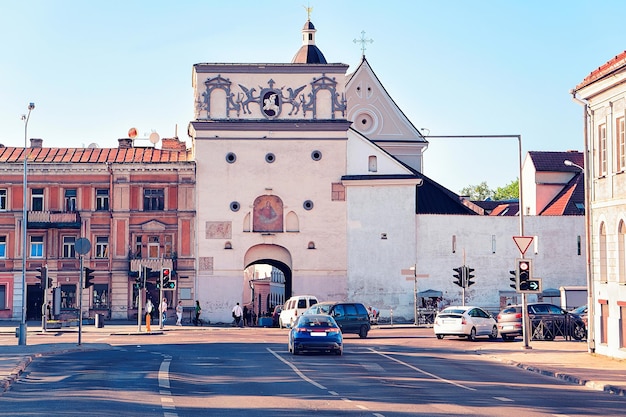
[(267, 214), (218, 230)]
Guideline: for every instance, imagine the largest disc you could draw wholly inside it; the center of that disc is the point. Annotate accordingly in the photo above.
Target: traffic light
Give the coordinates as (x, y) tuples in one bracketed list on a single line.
[(49, 279), (469, 276), (88, 277), (166, 275), (43, 274), (513, 279), (524, 273), (458, 277)]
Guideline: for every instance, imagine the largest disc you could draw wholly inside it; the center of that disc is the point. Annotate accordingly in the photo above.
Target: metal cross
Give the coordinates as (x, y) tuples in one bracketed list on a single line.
[(363, 42)]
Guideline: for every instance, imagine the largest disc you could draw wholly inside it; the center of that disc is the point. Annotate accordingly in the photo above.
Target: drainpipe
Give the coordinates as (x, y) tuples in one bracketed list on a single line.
[(591, 337)]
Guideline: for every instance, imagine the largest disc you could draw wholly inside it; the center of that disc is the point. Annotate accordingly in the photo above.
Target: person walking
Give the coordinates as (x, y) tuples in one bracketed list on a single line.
[(149, 308), (198, 311), (163, 311), (179, 313), (237, 313)]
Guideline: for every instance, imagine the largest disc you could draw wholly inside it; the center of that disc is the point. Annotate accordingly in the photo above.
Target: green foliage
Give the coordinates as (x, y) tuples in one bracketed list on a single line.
[(483, 192), (508, 192), (477, 192)]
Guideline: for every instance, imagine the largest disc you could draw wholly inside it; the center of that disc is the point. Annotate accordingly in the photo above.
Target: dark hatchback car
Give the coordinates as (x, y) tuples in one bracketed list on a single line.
[(351, 317), (315, 333), (547, 322)]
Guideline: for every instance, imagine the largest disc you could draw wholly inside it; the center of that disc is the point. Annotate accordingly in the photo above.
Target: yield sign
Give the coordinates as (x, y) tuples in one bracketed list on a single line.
[(523, 242)]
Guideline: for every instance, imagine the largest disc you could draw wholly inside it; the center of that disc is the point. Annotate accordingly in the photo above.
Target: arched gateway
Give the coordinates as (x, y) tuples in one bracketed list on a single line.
[(265, 293)]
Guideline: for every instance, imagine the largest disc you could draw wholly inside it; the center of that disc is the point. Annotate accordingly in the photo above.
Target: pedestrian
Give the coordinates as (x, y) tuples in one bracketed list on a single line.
[(246, 321), (179, 313), (163, 310), (237, 313), (198, 311), (49, 310), (149, 308)]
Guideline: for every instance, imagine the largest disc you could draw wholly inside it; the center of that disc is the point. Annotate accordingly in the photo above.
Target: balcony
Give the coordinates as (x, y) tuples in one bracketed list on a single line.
[(53, 220)]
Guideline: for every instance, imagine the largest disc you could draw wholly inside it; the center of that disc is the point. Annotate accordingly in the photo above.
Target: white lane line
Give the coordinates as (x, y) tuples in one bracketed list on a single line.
[(447, 381), (167, 402), (504, 399), (297, 371), (164, 377)]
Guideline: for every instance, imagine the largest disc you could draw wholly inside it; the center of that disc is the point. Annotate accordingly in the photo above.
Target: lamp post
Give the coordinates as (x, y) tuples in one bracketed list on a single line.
[(22, 331), (591, 339)]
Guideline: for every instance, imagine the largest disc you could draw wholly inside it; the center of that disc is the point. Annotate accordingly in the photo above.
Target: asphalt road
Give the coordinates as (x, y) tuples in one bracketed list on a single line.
[(249, 372)]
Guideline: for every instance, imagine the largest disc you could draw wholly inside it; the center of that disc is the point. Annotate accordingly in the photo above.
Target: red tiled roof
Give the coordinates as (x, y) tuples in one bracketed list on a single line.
[(565, 203), (93, 155), (619, 61)]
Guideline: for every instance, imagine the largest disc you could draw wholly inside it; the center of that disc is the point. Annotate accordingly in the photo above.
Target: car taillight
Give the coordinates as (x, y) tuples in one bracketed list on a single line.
[(333, 330), (518, 316), (463, 320)]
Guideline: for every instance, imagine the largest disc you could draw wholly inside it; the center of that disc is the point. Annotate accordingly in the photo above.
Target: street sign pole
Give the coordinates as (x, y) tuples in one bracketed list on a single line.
[(139, 297), (82, 246)]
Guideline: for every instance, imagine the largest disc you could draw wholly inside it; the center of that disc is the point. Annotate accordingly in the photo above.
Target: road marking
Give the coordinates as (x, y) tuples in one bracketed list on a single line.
[(447, 381), (167, 402), (504, 399), (296, 370)]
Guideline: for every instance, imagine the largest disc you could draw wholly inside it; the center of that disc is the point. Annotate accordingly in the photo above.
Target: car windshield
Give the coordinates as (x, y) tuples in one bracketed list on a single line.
[(453, 311), (316, 321)]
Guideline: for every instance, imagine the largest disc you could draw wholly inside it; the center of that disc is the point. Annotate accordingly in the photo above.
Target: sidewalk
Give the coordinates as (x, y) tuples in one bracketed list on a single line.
[(565, 360)]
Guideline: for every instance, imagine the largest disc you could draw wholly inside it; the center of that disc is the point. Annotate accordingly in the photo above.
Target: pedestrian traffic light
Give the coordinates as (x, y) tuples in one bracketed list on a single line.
[(513, 279), (524, 273), (458, 277), (49, 279), (166, 274), (88, 277), (469, 276)]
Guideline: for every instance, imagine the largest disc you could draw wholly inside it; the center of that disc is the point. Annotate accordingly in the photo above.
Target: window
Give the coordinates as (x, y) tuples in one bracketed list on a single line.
[(36, 246), (153, 247), (69, 246), (102, 247), (36, 203), (620, 144), (602, 150), (3, 199), (168, 246), (100, 296), (70, 200), (138, 247), (102, 199), (603, 254), (153, 199), (621, 255), (372, 163), (68, 297), (3, 297), (3, 246)]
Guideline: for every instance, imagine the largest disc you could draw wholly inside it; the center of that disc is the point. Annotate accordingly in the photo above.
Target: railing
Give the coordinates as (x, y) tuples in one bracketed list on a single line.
[(53, 219)]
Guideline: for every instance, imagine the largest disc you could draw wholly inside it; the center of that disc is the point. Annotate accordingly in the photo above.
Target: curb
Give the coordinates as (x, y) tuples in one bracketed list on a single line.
[(572, 379)]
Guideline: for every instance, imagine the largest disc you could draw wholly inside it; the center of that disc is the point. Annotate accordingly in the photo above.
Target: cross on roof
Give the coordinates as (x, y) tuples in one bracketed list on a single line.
[(363, 42)]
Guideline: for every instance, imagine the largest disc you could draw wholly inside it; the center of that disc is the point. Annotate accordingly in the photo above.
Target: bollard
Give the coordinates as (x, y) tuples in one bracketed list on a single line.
[(391, 316)]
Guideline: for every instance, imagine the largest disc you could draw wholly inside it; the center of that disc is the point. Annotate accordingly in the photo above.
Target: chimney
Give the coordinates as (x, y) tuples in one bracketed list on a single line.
[(125, 143), (36, 143), (173, 144)]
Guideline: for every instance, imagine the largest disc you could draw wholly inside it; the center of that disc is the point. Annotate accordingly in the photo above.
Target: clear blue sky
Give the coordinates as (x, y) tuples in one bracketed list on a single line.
[(97, 68)]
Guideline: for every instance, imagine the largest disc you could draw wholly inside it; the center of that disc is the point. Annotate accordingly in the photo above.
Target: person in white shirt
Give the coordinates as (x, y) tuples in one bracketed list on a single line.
[(237, 314), (179, 313), (163, 310)]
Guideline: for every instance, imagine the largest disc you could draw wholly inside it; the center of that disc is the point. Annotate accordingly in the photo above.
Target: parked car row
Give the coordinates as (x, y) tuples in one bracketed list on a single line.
[(546, 322)]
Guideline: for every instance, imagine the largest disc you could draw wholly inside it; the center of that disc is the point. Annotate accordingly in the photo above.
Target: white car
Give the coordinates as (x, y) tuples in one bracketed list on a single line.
[(466, 321)]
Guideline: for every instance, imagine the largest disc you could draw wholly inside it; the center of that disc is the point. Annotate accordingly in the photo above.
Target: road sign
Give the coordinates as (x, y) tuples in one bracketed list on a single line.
[(523, 242), (82, 245), (410, 272)]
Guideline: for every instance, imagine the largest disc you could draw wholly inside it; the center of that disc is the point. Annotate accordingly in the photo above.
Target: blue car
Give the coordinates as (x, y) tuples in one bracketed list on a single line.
[(315, 333)]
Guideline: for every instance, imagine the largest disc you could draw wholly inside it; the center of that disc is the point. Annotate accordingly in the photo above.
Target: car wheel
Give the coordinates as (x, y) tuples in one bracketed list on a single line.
[(439, 336), (363, 332), (338, 352), (472, 335), (494, 333), (508, 338), (295, 350), (579, 332)]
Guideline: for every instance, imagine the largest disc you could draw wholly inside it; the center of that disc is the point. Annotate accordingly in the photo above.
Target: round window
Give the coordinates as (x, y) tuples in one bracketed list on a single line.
[(270, 158), (316, 155), (308, 205), (231, 157), (235, 206)]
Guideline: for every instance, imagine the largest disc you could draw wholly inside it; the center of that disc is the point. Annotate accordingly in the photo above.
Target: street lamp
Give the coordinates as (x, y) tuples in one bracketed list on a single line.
[(22, 332), (591, 339)]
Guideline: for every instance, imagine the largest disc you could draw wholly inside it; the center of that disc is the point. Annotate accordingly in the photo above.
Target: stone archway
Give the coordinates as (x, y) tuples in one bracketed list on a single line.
[(276, 256)]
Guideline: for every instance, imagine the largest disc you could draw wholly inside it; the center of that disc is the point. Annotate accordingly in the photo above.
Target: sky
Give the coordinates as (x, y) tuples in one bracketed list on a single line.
[(96, 68)]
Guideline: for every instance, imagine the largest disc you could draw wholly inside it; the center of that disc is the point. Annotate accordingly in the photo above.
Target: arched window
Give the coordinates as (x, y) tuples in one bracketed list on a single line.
[(603, 255)]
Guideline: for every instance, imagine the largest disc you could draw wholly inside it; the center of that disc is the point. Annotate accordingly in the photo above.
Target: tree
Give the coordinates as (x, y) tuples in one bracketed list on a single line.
[(508, 192), (477, 192)]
